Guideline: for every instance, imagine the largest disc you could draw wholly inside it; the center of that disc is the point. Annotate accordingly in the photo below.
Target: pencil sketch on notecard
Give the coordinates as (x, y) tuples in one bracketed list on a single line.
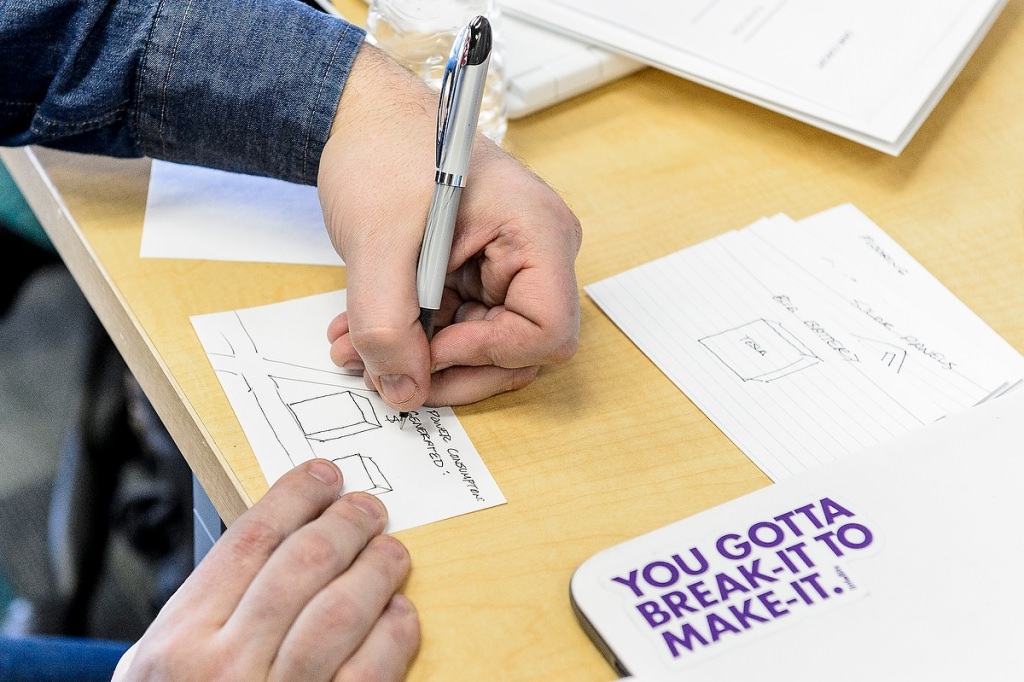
[(307, 409), (760, 351), (801, 344), (294, 405)]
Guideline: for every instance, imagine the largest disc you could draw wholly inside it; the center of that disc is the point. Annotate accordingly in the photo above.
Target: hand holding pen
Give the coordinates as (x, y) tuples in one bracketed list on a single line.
[(458, 110), (502, 303)]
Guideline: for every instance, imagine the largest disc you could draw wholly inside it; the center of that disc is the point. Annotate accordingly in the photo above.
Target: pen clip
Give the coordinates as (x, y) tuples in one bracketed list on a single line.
[(458, 111), (453, 71)]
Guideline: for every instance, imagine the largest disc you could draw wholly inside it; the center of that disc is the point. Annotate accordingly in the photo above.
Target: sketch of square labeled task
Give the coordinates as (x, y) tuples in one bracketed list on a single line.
[(760, 351)]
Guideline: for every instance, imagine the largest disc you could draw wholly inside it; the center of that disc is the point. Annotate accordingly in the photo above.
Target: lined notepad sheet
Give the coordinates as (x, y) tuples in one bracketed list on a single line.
[(870, 70), (805, 341)]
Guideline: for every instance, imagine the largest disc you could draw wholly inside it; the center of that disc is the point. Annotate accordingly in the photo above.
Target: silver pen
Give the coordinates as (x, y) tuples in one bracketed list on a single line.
[(458, 109)]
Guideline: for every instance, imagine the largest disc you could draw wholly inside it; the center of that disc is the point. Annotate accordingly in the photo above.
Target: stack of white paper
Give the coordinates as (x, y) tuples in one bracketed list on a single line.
[(870, 70), (808, 340)]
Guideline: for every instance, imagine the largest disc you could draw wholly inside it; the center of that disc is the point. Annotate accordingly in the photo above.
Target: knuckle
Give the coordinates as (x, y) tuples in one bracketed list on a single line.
[(400, 628), (313, 550), (255, 536), (342, 612), (564, 351), (171, 653), (375, 342)]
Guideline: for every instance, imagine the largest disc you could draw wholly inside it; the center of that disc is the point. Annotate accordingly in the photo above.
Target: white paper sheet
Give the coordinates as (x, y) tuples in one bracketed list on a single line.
[(294, 404), (207, 214), (797, 362), (869, 70)]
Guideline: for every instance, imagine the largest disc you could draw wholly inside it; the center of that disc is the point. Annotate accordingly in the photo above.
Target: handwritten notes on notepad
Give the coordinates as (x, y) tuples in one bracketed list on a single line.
[(294, 405), (804, 341)]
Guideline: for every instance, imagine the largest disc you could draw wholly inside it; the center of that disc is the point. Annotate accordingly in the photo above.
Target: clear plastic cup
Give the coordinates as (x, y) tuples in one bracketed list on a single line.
[(419, 34)]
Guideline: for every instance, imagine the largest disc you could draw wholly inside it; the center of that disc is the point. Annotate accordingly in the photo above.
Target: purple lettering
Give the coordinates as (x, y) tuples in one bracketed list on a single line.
[(798, 549), (744, 616), (738, 551), (689, 634), (832, 511), (726, 586), (753, 575), (850, 536), (786, 560), (670, 569), (676, 603), (826, 538), (719, 626), (864, 539), (702, 563), (800, 591), (702, 593), (630, 582), (814, 580), (653, 614), (787, 519), (808, 511), (776, 534), (770, 602)]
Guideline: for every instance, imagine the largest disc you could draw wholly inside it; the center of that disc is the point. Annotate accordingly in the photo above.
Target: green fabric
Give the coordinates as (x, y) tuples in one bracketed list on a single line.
[(15, 214)]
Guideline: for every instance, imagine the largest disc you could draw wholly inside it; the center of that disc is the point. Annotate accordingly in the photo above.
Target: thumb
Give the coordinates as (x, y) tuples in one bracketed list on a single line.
[(383, 324)]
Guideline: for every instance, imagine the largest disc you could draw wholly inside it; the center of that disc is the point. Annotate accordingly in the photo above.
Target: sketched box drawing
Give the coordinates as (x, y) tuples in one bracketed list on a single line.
[(760, 351), (362, 473), (334, 415)]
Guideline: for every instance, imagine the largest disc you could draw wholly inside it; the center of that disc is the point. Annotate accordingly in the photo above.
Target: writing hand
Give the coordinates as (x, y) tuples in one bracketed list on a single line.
[(303, 586), (511, 303)]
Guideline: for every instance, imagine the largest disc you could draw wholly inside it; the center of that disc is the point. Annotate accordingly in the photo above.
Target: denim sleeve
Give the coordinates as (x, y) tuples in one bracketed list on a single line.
[(241, 85)]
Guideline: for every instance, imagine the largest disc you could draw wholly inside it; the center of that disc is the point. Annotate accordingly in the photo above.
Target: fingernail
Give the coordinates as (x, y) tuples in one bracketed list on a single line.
[(401, 604), (368, 504), (398, 388), (325, 471), (395, 549), (354, 366)]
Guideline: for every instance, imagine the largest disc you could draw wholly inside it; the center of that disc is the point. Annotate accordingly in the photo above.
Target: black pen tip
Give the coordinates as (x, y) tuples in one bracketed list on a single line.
[(402, 416)]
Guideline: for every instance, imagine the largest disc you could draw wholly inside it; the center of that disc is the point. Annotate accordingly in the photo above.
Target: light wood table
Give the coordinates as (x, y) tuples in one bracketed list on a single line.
[(603, 447)]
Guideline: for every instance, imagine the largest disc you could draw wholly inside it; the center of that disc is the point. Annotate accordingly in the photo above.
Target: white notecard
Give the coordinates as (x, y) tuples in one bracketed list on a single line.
[(207, 214), (797, 363), (294, 404)]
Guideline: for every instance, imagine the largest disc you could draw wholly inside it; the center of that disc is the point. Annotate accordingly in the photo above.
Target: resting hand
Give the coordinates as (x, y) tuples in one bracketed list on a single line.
[(511, 302), (301, 587)]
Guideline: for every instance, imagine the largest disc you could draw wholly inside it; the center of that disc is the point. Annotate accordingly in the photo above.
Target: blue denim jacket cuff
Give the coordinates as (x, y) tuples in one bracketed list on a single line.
[(262, 103)]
